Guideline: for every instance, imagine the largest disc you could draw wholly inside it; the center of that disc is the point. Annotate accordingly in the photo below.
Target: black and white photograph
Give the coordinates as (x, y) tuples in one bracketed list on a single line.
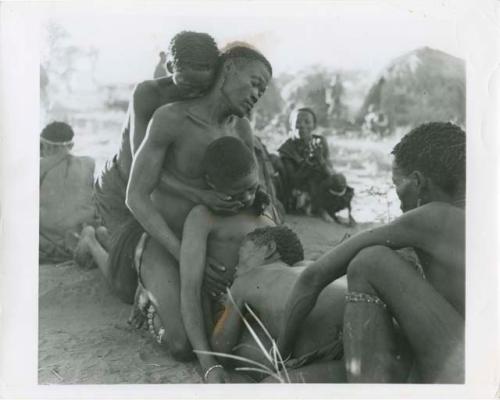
[(247, 193)]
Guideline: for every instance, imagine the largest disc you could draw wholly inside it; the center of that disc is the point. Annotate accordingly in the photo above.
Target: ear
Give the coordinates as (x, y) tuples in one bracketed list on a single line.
[(420, 182), (170, 68), (271, 249)]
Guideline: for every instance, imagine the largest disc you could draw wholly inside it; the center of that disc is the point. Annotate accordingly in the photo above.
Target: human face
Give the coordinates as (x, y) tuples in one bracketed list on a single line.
[(251, 255), (405, 188), (242, 189), (305, 125), (244, 85), (193, 78)]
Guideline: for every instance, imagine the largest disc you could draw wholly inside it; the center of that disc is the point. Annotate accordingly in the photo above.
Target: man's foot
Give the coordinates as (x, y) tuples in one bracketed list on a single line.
[(326, 217), (352, 221), (82, 254), (102, 236), (155, 326), (139, 308)]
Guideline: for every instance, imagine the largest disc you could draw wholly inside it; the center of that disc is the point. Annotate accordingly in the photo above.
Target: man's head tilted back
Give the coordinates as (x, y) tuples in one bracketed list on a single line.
[(431, 158), (243, 76), (242, 53), (271, 242)]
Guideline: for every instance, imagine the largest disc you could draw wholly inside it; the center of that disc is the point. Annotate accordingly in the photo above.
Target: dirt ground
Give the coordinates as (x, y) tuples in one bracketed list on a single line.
[(84, 337)]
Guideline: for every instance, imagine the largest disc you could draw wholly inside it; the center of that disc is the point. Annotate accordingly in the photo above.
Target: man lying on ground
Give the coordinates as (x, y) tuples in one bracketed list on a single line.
[(176, 141), (429, 175), (264, 279), (65, 193)]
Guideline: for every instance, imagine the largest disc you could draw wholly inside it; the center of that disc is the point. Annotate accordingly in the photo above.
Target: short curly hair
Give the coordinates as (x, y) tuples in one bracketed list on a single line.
[(287, 242), (189, 47), (437, 149), (227, 159), (244, 52)]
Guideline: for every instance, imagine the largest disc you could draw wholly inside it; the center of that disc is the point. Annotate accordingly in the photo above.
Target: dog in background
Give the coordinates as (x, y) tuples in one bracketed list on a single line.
[(335, 195), (331, 196)]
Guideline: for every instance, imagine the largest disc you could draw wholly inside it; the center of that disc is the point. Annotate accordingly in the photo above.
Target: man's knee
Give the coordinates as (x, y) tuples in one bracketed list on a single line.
[(367, 261)]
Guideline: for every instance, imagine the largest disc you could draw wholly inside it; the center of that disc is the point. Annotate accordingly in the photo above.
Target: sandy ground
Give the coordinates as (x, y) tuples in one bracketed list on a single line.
[(84, 337)]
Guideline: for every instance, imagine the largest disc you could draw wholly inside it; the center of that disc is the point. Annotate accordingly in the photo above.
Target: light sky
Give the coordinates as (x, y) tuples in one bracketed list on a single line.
[(354, 35)]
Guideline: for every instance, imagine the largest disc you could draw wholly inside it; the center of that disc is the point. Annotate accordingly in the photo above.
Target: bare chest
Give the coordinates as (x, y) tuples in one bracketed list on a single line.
[(188, 151)]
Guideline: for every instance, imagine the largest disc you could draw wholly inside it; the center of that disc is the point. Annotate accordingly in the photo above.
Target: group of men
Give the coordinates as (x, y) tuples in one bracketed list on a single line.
[(190, 236)]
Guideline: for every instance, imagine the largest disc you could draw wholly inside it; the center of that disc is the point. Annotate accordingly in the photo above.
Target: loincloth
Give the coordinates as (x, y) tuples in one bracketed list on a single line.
[(123, 243), (109, 195), (330, 352)]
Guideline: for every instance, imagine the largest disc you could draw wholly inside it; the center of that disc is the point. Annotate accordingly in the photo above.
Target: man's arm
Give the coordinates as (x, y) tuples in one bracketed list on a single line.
[(244, 131), (142, 107), (192, 267), (407, 230), (144, 178), (325, 150), (217, 202)]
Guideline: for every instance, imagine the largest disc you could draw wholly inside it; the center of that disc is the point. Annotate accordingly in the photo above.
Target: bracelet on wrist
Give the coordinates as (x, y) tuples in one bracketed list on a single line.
[(205, 376)]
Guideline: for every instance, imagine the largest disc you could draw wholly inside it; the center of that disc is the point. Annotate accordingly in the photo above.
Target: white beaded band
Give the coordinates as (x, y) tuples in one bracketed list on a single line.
[(205, 377), (47, 141), (356, 297)]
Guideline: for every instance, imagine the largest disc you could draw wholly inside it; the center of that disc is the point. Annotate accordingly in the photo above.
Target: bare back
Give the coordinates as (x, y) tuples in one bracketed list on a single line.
[(443, 254), (147, 97), (268, 288)]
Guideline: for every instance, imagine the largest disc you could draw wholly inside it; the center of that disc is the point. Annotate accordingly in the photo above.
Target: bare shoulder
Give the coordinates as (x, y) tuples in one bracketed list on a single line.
[(200, 215), (165, 118), (242, 125), (243, 129), (436, 218), (144, 92), (434, 214), (89, 162)]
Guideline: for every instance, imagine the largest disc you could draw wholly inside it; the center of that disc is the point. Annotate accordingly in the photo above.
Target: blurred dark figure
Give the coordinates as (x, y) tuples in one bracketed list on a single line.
[(161, 70)]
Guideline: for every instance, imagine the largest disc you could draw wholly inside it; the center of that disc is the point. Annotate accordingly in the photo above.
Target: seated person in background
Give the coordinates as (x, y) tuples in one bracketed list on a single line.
[(429, 175), (65, 193), (160, 70), (305, 163), (264, 280)]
